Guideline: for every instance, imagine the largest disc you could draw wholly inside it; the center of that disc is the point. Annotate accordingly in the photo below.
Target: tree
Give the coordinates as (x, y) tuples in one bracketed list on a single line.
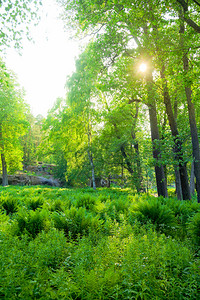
[(32, 139), (115, 19), (191, 110), (178, 149), (52, 146), (12, 121), (153, 27), (189, 14)]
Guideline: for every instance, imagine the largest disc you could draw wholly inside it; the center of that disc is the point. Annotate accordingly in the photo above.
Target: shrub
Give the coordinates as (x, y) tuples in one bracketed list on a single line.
[(49, 249), (157, 267), (155, 212), (76, 222), (10, 205), (194, 228), (35, 203), (57, 205), (86, 200), (32, 222)]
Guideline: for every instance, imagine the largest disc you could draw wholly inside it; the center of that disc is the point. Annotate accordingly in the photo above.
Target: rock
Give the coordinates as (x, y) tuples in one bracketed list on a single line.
[(24, 179), (37, 180)]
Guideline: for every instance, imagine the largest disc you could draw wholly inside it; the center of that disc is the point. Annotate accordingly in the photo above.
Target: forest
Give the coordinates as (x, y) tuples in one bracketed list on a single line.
[(123, 144), (130, 116)]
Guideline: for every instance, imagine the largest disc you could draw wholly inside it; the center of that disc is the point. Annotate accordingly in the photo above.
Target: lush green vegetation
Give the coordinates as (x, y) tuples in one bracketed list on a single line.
[(104, 244), (122, 125), (131, 112)]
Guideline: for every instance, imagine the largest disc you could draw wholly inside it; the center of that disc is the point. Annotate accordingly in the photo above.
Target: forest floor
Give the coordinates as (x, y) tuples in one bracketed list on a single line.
[(59, 243)]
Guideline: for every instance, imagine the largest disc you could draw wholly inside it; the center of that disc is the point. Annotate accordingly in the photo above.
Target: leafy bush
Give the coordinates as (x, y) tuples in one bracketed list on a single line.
[(35, 203), (32, 222), (194, 228), (86, 200), (76, 222), (157, 267), (9, 204), (117, 207), (57, 205), (155, 212)]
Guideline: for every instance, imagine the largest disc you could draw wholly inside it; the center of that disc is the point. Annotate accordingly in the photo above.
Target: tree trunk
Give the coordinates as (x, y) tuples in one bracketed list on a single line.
[(159, 170), (90, 156), (139, 169), (92, 167), (93, 174), (139, 178), (195, 140), (124, 155), (192, 119), (192, 183), (126, 159), (178, 151), (3, 161), (4, 170), (178, 184)]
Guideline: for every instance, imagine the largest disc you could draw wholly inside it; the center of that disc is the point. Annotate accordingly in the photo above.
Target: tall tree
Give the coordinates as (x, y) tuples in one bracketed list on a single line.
[(178, 149), (191, 110), (12, 119), (152, 26)]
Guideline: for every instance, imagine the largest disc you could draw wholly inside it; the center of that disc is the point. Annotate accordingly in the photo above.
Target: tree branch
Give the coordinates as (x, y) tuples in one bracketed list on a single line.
[(192, 24), (183, 4), (134, 100), (195, 1)]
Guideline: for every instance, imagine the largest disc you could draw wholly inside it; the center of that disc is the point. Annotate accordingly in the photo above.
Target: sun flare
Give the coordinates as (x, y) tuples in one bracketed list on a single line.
[(143, 67)]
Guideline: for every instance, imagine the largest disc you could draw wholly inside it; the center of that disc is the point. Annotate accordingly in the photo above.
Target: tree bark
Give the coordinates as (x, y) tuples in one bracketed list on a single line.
[(178, 150), (192, 118), (178, 184), (159, 170), (4, 170), (195, 139), (192, 183)]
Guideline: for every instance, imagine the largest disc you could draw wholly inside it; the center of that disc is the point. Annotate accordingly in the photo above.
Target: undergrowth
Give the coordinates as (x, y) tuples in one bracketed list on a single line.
[(105, 244)]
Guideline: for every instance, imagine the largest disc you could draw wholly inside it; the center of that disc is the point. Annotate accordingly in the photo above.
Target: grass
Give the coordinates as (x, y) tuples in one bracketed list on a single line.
[(105, 244)]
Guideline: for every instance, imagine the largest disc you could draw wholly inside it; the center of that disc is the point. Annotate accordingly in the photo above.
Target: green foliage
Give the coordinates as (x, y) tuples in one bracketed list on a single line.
[(86, 200), (155, 212), (183, 211), (35, 203), (51, 249), (4, 222), (32, 222), (16, 18), (13, 123), (76, 222), (63, 250), (57, 206), (194, 228), (31, 141), (9, 204)]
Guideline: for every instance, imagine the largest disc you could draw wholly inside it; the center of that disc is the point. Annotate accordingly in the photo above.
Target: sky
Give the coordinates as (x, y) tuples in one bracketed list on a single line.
[(43, 67)]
